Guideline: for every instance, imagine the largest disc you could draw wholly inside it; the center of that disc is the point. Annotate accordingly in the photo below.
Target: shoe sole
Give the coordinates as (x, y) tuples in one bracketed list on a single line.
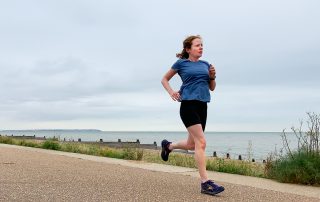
[(212, 193)]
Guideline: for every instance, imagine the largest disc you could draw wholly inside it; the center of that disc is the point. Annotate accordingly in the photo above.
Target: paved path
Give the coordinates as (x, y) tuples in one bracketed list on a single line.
[(29, 174)]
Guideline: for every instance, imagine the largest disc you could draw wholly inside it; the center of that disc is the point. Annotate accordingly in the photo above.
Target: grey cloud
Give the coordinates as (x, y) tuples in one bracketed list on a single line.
[(63, 60), (66, 78), (115, 106)]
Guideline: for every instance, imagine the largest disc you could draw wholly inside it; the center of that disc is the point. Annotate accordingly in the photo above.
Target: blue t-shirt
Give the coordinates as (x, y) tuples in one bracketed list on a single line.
[(195, 79)]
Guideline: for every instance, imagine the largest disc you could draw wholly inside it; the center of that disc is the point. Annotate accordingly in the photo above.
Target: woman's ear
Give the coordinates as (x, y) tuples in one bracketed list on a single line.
[(188, 50)]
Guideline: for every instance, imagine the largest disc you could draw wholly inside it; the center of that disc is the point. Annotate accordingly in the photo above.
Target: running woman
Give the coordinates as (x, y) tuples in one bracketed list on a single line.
[(198, 77)]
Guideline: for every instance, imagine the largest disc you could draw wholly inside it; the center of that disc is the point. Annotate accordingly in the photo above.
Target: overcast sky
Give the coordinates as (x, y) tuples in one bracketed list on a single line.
[(98, 64)]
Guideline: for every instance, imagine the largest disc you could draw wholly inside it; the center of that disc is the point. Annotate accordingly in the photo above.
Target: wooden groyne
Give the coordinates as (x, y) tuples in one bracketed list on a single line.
[(33, 137), (121, 144), (118, 144)]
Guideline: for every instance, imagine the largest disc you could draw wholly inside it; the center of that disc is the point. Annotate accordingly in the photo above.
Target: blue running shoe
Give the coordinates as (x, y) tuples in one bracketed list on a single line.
[(209, 187), (165, 150)]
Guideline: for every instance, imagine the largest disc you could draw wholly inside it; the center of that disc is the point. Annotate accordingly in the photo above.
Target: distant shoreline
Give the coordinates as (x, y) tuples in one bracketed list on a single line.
[(49, 130), (121, 131)]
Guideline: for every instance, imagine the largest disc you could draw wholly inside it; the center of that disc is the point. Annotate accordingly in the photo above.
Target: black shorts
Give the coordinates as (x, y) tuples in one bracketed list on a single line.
[(193, 112)]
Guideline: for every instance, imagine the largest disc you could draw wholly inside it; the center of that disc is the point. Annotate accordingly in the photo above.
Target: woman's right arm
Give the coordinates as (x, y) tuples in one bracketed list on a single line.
[(175, 95)]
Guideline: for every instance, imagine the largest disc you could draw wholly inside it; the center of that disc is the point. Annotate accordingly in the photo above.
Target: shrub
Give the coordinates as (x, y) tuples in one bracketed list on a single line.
[(302, 169), (303, 164), (51, 144)]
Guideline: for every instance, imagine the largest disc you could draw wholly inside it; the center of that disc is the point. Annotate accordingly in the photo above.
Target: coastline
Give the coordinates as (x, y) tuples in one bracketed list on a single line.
[(234, 143)]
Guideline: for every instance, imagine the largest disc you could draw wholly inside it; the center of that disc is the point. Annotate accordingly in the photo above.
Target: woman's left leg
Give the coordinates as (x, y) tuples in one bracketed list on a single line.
[(187, 144), (200, 146)]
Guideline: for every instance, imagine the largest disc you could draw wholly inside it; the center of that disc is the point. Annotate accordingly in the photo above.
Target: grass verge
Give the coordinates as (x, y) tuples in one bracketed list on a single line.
[(128, 152)]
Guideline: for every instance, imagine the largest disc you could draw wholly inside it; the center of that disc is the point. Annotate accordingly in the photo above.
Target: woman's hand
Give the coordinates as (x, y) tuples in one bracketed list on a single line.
[(175, 95), (165, 82), (212, 72)]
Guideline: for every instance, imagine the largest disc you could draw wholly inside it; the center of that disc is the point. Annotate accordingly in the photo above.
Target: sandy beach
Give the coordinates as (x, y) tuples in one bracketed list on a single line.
[(30, 174)]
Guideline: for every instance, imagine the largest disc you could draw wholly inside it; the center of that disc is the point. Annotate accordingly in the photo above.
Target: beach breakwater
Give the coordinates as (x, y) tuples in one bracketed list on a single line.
[(117, 144)]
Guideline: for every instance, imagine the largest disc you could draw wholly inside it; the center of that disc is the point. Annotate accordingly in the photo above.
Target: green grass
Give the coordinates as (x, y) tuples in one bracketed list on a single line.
[(301, 168), (97, 150), (28, 143), (7, 140), (128, 152), (235, 167), (213, 164), (176, 159)]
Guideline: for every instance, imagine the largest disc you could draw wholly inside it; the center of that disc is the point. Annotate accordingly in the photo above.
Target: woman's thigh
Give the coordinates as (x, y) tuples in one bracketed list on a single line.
[(196, 133)]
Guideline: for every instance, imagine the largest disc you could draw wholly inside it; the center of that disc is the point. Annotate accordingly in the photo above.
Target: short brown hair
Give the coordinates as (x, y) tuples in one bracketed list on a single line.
[(187, 43)]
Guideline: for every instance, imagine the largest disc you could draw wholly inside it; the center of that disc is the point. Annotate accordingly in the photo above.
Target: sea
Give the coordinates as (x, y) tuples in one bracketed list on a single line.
[(257, 145)]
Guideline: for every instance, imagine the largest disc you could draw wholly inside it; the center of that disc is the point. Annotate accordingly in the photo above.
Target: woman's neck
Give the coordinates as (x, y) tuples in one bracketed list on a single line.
[(193, 59)]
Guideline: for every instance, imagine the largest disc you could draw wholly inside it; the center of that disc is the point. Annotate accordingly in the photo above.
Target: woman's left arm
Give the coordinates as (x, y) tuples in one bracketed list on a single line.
[(212, 75)]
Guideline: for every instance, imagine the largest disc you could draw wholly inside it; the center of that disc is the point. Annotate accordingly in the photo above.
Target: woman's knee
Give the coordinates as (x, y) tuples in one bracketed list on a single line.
[(201, 143), (198, 136)]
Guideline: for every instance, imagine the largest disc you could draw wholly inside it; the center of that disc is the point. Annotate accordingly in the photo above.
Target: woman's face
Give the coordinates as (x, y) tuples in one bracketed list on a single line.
[(196, 48)]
